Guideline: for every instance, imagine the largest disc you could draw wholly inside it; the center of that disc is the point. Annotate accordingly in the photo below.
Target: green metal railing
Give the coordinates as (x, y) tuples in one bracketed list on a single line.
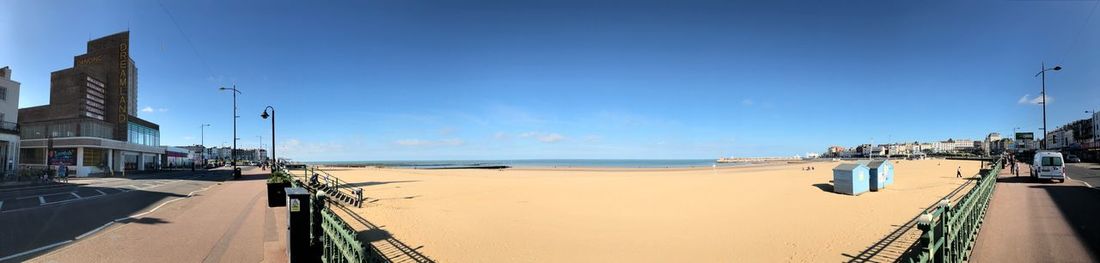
[(948, 231), (336, 189), (339, 240)]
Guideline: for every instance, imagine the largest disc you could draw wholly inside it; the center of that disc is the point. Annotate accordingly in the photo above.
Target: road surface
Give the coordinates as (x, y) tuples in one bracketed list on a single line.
[(1030, 221), (175, 217)]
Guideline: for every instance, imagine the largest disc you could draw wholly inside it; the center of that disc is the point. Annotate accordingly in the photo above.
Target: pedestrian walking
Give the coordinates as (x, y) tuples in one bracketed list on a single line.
[(959, 172), (63, 173), (1014, 170)]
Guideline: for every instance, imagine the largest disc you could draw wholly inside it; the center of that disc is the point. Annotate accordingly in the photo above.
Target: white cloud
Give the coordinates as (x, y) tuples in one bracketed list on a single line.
[(296, 148), (747, 102), (543, 137), (553, 137), (420, 143), (147, 109), (162, 109), (411, 142), (500, 136), (1037, 100)]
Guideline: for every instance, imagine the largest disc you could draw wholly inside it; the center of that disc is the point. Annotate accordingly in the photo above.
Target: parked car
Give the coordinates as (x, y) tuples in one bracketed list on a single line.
[(1048, 165), (1072, 159)]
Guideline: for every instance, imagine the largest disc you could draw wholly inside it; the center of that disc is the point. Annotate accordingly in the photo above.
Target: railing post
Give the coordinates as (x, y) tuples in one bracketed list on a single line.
[(944, 230), (316, 220), (927, 238)]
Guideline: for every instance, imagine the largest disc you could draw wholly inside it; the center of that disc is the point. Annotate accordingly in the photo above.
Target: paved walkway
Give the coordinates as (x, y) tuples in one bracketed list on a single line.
[(227, 222), (1032, 221)]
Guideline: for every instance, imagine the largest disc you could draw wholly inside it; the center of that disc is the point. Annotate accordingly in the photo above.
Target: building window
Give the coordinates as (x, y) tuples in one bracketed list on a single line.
[(3, 93), (95, 157), (139, 134), (32, 156)]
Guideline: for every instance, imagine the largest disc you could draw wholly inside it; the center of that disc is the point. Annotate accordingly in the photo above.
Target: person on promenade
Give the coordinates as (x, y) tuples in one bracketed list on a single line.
[(63, 173), (1014, 170), (959, 172)]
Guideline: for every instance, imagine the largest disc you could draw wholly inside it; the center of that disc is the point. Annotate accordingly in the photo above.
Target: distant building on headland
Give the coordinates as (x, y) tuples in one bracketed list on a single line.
[(91, 123)]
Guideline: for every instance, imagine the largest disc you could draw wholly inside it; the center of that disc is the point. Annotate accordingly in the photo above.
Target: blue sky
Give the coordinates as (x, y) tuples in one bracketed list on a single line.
[(401, 80)]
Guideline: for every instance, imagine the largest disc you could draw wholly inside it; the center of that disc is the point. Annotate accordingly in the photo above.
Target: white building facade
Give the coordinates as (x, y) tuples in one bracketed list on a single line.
[(9, 119)]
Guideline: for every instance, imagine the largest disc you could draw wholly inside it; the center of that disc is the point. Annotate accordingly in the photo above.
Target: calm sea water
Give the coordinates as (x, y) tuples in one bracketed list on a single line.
[(608, 163)]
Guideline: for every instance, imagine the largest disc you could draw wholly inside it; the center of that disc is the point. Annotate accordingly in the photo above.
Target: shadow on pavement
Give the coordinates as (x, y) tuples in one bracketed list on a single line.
[(1079, 205), (1024, 179)]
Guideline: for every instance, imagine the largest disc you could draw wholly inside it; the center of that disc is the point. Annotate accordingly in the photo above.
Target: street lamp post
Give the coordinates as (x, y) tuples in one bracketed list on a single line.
[(202, 143), (274, 161), (1043, 76), (1015, 144), (233, 154)]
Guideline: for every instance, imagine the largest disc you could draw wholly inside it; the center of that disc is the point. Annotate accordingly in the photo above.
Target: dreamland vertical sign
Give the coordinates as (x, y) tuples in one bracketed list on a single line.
[(123, 90)]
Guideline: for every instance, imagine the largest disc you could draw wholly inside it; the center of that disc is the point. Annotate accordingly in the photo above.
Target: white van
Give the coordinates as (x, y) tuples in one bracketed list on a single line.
[(1048, 165)]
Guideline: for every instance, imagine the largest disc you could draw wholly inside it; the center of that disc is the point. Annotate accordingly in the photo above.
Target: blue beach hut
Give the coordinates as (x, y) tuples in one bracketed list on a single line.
[(879, 169), (882, 174), (851, 178)]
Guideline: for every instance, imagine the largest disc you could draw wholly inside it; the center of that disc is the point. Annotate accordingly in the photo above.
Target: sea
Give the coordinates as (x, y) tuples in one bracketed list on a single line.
[(540, 163)]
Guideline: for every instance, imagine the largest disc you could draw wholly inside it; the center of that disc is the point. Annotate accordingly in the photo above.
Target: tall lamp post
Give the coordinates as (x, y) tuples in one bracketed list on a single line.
[(233, 154), (274, 161), (1043, 75), (202, 143)]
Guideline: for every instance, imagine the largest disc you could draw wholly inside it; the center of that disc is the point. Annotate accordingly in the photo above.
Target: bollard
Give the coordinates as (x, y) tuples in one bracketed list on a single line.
[(298, 226)]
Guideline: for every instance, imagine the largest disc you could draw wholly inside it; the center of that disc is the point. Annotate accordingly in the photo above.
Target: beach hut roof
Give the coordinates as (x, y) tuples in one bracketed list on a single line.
[(848, 166), (876, 163)]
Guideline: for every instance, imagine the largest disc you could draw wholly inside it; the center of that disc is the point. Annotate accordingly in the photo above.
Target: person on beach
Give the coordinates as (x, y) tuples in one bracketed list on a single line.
[(959, 172)]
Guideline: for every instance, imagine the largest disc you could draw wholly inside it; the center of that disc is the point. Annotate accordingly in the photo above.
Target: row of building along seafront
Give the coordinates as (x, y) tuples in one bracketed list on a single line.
[(91, 123)]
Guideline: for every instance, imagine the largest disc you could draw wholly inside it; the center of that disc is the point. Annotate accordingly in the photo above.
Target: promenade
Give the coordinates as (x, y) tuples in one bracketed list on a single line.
[(1031, 221), (184, 217)]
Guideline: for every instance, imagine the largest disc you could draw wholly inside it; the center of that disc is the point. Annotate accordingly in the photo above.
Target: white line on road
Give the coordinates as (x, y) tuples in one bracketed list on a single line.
[(93, 231), (192, 193), (100, 192), (36, 250), (1, 205), (41, 200), (75, 195)]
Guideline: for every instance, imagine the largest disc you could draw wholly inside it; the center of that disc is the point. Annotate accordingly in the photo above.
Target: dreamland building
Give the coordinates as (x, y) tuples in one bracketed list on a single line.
[(91, 122)]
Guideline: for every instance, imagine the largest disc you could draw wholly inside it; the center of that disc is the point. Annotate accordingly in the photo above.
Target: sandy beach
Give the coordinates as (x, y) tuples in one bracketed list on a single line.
[(739, 214)]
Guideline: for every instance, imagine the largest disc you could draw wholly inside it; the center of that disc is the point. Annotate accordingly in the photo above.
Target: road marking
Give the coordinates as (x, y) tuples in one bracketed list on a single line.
[(93, 231), (100, 192), (41, 200), (36, 250), (1, 205), (75, 195)]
